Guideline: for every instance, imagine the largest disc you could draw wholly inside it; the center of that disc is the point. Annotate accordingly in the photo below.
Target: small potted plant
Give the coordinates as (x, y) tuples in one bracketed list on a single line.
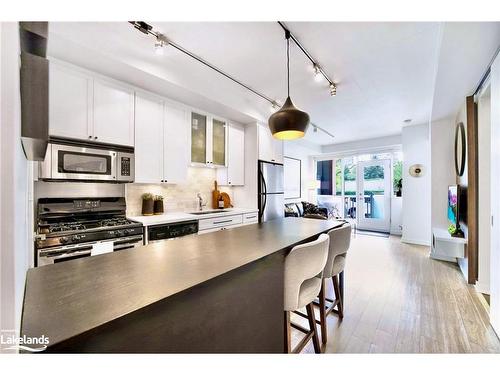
[(158, 205), (399, 187), (147, 204)]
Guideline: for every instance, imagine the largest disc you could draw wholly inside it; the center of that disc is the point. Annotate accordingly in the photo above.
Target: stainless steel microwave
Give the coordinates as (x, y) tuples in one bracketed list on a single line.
[(82, 163)]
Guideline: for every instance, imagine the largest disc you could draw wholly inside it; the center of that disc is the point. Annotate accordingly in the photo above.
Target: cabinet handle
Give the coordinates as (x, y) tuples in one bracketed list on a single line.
[(223, 221), (95, 137), (90, 137), (229, 182)]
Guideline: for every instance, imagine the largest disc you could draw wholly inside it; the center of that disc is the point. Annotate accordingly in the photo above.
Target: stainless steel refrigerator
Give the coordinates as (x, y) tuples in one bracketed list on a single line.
[(271, 195)]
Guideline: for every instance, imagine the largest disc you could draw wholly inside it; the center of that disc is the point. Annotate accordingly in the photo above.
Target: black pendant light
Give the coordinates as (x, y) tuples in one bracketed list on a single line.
[(289, 122)]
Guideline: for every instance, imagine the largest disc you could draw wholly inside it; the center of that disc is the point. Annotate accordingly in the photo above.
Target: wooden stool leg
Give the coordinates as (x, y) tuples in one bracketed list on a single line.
[(322, 312), (312, 325), (288, 333), (338, 296)]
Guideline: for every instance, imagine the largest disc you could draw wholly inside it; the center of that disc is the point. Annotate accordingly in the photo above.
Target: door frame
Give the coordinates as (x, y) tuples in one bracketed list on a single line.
[(378, 225)]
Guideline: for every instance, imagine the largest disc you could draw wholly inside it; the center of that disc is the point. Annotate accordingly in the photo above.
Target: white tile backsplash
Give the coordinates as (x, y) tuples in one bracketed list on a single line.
[(179, 197)]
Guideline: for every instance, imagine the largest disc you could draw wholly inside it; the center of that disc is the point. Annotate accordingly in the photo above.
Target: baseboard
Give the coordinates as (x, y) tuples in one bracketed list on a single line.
[(482, 288), (415, 242), (443, 257)]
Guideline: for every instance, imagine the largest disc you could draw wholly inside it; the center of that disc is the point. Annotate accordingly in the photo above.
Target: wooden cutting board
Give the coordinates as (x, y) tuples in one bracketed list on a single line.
[(227, 200)]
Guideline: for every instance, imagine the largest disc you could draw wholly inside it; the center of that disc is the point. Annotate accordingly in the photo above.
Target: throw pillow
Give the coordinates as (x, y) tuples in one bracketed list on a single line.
[(312, 209), (291, 210)]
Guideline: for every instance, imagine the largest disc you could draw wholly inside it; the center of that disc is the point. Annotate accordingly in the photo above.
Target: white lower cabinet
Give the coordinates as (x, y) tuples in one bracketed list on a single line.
[(223, 221), (226, 222), (251, 218)]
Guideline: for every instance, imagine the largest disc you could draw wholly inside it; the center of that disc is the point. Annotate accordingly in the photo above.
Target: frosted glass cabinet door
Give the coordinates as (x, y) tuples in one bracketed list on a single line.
[(218, 142), (198, 138)]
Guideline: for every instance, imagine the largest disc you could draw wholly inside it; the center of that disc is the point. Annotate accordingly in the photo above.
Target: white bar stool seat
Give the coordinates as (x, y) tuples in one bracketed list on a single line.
[(303, 278)]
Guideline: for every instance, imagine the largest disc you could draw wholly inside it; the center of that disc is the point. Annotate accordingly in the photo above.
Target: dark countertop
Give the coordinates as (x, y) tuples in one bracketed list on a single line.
[(66, 299)]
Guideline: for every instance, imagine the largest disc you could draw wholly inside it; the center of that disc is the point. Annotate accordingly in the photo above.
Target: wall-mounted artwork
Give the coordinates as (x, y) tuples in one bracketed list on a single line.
[(292, 177)]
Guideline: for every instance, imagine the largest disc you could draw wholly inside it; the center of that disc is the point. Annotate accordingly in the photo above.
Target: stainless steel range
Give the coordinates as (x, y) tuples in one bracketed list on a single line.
[(71, 228)]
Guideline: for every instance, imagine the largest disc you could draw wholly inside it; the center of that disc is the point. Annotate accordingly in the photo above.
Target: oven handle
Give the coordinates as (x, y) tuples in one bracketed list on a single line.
[(127, 242), (68, 255), (59, 252)]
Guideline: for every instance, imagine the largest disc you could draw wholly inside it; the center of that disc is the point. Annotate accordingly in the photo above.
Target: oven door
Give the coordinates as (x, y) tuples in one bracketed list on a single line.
[(67, 253), (82, 163)]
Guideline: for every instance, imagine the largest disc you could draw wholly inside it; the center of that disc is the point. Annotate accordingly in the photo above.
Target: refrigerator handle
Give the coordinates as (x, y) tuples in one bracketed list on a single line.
[(263, 194)]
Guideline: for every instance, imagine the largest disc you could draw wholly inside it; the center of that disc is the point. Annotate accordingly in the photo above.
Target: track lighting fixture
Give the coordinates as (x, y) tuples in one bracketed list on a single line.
[(280, 116), (319, 73), (333, 89)]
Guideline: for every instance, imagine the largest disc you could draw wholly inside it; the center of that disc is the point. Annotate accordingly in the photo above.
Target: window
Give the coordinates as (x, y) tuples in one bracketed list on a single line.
[(338, 177), (397, 173), (324, 174)]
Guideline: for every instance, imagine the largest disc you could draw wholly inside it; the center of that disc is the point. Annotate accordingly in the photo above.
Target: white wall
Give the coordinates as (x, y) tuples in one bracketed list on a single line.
[(15, 232), (442, 138), (484, 191), (495, 199), (416, 190), (298, 150), (363, 145)]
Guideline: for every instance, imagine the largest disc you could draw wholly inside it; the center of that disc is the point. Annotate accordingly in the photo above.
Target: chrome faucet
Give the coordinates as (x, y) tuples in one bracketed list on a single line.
[(200, 202)]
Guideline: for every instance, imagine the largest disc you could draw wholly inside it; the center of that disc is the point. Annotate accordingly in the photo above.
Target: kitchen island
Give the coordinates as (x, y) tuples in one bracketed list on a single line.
[(217, 293)]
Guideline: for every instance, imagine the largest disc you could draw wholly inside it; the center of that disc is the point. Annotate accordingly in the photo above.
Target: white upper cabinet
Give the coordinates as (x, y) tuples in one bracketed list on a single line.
[(83, 107), (176, 144), (148, 139), (113, 113), (270, 148), (70, 103), (161, 141), (234, 174)]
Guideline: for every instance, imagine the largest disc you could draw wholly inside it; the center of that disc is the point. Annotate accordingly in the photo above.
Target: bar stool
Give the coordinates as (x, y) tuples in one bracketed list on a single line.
[(340, 240), (303, 267)]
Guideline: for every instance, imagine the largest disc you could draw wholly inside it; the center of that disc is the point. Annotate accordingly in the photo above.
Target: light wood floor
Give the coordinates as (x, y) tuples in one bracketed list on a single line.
[(398, 300)]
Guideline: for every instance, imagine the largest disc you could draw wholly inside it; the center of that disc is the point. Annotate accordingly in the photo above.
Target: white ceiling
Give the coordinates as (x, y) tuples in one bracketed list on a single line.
[(386, 72)]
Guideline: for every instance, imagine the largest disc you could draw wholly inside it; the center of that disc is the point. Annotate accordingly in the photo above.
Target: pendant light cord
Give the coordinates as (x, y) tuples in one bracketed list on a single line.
[(287, 36)]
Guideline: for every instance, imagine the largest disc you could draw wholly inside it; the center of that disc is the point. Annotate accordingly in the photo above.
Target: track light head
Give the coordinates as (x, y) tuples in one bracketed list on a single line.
[(333, 89), (317, 73), (161, 41), (142, 26)]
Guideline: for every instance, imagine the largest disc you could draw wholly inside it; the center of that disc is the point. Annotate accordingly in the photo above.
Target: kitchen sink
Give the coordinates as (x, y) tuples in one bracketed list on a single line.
[(207, 212)]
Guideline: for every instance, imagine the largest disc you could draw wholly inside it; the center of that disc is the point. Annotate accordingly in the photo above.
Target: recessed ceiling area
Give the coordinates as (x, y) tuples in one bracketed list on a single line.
[(385, 72)]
